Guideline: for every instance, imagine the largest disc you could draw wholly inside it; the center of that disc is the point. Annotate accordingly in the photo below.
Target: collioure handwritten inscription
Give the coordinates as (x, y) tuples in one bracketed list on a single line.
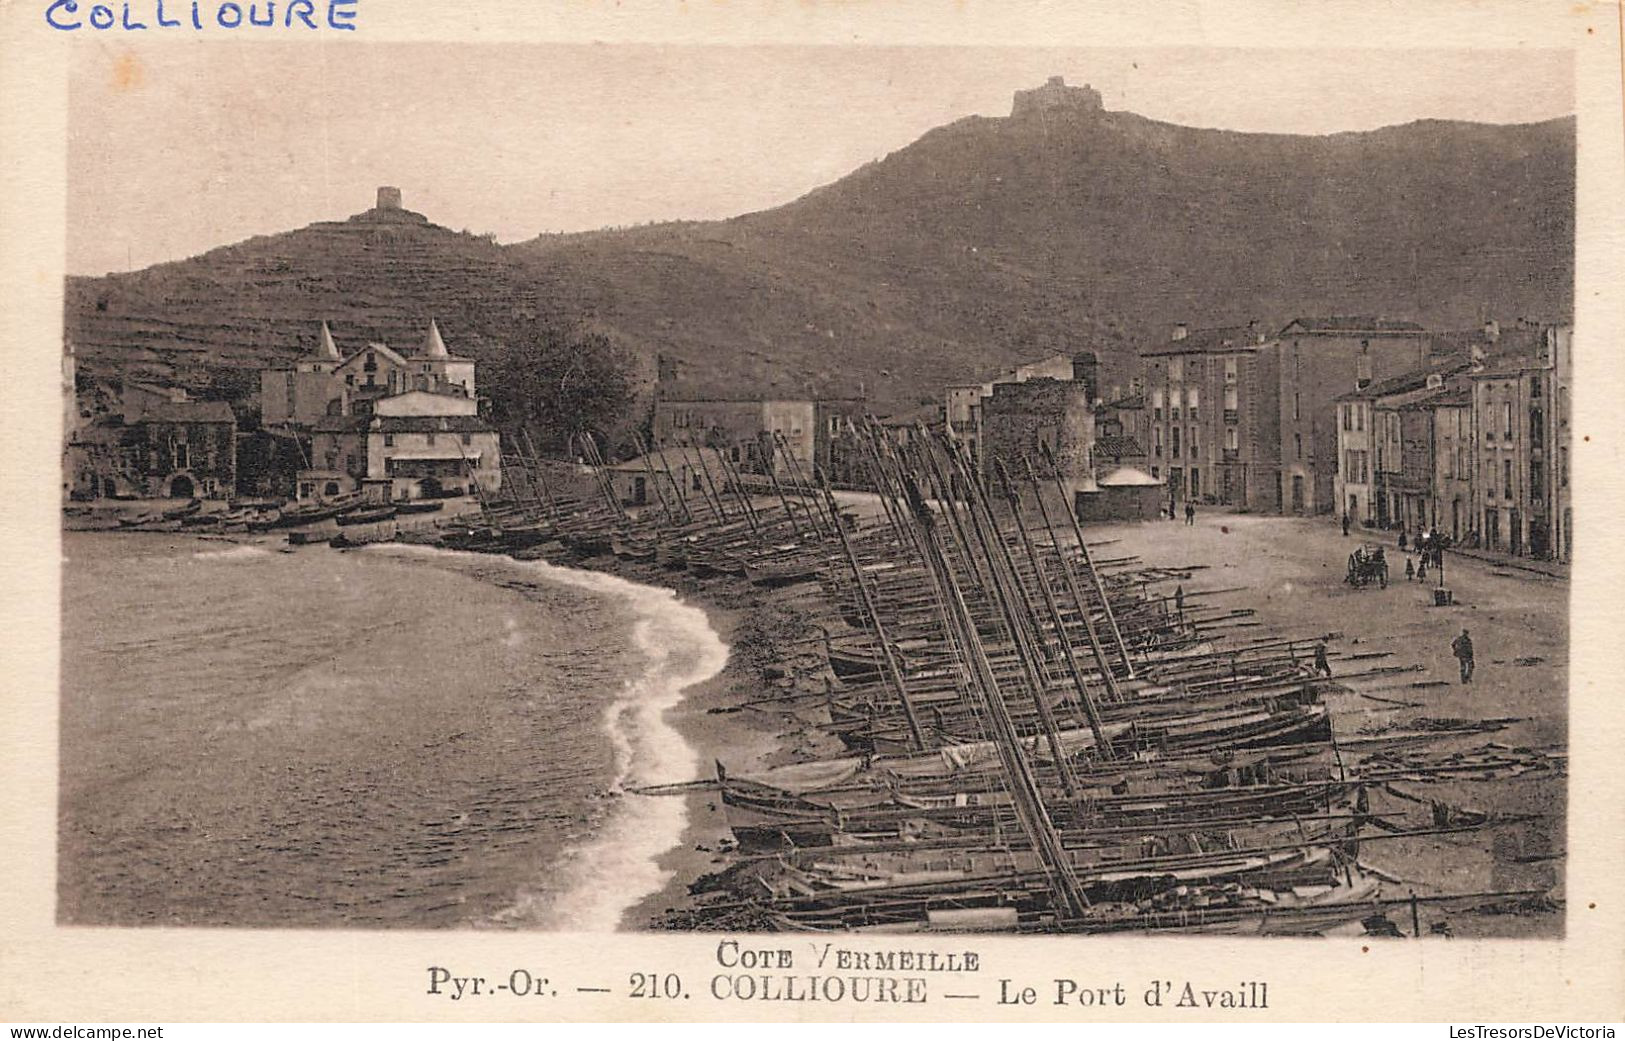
[(66, 16)]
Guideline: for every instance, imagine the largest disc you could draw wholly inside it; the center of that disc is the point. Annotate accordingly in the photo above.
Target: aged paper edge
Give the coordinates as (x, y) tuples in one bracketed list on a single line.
[(62, 974)]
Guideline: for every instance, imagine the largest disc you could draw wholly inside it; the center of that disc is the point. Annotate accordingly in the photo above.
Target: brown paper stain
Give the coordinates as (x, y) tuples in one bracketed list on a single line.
[(127, 72)]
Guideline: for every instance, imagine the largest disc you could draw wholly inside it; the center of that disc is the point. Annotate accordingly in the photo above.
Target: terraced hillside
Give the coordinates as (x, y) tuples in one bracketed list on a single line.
[(985, 242), (378, 276)]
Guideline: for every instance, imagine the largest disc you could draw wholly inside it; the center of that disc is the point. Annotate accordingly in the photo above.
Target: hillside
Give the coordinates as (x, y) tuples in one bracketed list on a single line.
[(378, 276), (984, 242), (995, 239)]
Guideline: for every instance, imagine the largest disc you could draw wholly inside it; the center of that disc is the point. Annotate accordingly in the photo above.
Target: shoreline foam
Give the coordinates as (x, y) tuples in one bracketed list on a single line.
[(639, 845)]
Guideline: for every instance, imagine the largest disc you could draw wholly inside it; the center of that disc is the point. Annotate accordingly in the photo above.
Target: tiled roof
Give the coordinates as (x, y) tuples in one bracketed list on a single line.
[(1209, 341), (1512, 341), (1406, 382), (1436, 398), (381, 348), (1510, 357), (1128, 477), (1354, 324), (1115, 445)]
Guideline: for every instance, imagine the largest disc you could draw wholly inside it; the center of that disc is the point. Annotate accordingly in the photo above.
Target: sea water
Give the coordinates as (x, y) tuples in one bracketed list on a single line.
[(395, 737)]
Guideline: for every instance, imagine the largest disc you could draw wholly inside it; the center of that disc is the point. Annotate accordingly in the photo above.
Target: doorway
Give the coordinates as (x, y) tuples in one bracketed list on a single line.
[(1540, 542)]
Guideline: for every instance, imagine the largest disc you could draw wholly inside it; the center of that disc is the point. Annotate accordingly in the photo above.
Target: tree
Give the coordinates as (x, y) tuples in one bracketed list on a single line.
[(559, 380)]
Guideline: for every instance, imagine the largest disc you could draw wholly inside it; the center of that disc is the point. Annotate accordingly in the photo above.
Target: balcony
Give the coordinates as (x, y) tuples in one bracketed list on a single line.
[(1232, 416), (1230, 455)]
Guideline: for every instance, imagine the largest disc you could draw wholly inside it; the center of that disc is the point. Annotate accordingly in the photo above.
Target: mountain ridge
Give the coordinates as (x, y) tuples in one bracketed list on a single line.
[(985, 241)]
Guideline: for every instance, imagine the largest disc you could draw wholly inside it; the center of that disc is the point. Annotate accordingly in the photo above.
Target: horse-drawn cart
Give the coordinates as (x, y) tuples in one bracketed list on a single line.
[(1367, 565)]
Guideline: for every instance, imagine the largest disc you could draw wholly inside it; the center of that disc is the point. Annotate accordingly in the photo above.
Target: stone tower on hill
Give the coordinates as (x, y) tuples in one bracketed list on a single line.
[(390, 210), (1056, 97)]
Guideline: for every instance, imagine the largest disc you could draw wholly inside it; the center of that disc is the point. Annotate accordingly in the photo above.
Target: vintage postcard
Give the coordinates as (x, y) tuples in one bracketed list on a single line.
[(885, 512)]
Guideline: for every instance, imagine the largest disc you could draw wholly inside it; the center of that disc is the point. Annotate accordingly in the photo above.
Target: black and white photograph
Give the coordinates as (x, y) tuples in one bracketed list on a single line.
[(776, 489), (755, 514)]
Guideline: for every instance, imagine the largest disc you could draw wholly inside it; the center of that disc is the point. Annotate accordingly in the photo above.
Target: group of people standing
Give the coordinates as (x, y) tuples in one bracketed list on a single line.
[(1171, 514), (1429, 553)]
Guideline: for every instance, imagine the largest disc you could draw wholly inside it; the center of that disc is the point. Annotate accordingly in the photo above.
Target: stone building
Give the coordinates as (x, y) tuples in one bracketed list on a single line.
[(685, 476), (338, 458), (427, 455), (1021, 420), (1123, 494), (324, 383), (405, 425), (155, 442), (298, 395), (136, 399), (1451, 414), (182, 450), (1322, 359), (747, 428), (1354, 486), (1521, 500), (1213, 424), (965, 403), (1385, 449)]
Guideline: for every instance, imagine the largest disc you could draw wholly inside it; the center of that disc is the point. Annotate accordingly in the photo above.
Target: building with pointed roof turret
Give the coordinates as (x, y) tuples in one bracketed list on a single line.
[(407, 424), (298, 394)]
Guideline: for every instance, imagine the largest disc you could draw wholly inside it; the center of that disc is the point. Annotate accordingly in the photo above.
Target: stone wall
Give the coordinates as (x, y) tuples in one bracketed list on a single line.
[(1020, 417)]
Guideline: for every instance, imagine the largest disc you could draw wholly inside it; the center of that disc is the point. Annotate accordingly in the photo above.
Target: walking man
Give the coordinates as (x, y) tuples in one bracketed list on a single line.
[(1322, 666), (1345, 525), (1462, 648), (1179, 600), (1190, 513), (1404, 539), (1410, 569)]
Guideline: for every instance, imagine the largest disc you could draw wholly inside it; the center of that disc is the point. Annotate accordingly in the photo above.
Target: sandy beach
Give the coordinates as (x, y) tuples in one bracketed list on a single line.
[(1287, 572)]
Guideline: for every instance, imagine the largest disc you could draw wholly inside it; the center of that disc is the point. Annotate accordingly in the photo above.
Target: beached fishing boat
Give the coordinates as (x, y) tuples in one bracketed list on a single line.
[(367, 515), (1042, 737), (312, 513), (179, 512)]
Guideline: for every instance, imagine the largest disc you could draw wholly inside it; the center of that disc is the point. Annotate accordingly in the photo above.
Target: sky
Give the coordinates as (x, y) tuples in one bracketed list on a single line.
[(185, 147)]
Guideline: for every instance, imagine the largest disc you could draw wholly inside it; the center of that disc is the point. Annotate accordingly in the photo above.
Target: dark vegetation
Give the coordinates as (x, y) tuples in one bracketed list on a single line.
[(985, 242)]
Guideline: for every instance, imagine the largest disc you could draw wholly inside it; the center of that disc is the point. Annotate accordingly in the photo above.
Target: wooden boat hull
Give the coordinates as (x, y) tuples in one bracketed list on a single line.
[(366, 516)]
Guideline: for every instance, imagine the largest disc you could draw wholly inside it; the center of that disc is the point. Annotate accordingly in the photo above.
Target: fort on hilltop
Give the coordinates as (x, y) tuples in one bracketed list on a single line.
[(1054, 97), (389, 209)]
